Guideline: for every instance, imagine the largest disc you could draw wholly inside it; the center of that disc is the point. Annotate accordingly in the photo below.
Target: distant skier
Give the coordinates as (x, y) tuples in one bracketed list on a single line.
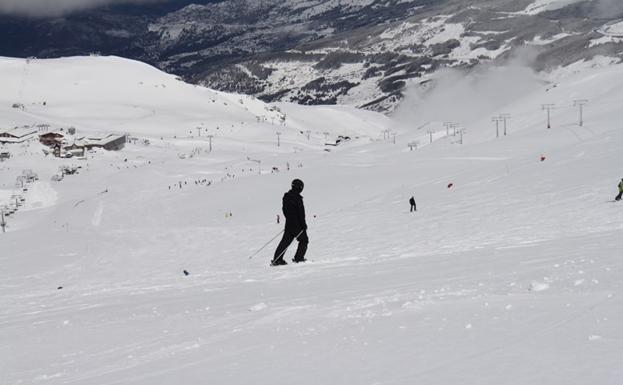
[(296, 227), (413, 206), (618, 197)]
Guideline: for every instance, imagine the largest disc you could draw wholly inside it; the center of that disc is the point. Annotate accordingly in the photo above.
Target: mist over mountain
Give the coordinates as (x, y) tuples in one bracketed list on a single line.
[(362, 53)]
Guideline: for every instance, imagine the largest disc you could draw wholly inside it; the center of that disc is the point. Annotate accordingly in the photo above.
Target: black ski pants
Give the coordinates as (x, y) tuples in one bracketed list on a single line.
[(618, 198), (413, 207), (288, 237)]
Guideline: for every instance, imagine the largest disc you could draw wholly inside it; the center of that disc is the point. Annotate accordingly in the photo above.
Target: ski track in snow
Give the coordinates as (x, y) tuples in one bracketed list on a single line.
[(97, 215)]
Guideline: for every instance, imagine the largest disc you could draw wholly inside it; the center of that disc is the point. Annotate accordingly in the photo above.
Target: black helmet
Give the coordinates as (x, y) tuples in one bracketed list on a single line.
[(298, 185)]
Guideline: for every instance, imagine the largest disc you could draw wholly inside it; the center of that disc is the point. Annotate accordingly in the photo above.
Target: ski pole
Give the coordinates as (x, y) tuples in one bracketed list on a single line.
[(286, 249), (267, 243)]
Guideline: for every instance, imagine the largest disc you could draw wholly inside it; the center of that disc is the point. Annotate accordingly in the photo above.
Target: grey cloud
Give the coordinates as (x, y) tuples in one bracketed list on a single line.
[(455, 95), (608, 7), (47, 8)]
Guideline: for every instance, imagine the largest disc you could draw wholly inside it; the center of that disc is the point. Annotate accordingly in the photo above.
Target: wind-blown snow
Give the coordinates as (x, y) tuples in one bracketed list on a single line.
[(540, 6), (509, 272)]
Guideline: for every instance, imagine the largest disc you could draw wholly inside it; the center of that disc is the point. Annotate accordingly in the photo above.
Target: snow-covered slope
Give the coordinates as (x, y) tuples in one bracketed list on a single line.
[(509, 272), (357, 53), (111, 93)]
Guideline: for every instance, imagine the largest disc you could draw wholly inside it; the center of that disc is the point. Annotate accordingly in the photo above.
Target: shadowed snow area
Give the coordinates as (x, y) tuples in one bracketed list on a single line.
[(508, 273)]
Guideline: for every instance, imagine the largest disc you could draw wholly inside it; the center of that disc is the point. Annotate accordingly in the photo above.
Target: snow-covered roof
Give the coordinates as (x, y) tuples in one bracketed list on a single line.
[(110, 138), (19, 132), (97, 140)]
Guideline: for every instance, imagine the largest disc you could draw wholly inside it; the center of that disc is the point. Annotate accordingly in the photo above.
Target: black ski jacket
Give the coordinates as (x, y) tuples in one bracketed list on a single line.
[(294, 211)]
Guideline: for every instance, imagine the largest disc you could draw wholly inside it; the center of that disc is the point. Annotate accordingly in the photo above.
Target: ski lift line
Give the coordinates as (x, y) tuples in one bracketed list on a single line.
[(424, 125), (559, 107), (553, 107), (22, 86)]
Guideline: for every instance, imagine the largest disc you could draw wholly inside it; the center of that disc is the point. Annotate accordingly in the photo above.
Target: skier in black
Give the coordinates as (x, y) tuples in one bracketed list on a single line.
[(412, 202), (296, 227), (618, 197)]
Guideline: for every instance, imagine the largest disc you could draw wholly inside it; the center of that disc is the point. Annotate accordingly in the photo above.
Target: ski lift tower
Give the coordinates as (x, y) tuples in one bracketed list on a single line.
[(497, 120), (431, 132), (259, 164), (581, 103), (461, 132), (454, 127), (3, 222), (505, 118), (386, 134), (210, 139), (548, 107), (448, 125)]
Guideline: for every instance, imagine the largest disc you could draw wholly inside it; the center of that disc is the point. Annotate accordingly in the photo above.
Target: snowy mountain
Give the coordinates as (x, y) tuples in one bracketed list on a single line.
[(362, 53), (508, 273)]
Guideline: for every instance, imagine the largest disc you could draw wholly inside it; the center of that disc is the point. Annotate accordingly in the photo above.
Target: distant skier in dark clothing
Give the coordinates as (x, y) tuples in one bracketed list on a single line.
[(412, 202), (296, 227), (618, 198)]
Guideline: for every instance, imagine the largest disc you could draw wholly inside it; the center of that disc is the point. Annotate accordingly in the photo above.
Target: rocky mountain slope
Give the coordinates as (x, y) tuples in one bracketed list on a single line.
[(357, 52)]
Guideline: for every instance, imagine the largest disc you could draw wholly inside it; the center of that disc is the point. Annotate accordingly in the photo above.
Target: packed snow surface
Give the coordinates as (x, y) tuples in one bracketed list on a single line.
[(137, 269)]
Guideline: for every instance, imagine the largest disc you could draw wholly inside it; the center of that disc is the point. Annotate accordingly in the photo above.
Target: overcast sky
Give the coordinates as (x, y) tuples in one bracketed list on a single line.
[(55, 7)]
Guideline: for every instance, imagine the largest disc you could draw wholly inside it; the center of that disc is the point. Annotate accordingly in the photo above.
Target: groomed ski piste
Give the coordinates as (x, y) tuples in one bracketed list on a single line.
[(510, 272)]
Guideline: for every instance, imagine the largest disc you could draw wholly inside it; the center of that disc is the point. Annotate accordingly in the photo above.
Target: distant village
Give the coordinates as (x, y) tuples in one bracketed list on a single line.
[(62, 143)]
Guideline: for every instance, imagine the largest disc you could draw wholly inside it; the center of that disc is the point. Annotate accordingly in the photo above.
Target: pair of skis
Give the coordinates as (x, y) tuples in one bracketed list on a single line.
[(272, 264), (282, 253)]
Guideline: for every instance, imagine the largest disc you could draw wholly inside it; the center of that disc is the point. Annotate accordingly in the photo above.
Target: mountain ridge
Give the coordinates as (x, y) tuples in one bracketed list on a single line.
[(361, 53)]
